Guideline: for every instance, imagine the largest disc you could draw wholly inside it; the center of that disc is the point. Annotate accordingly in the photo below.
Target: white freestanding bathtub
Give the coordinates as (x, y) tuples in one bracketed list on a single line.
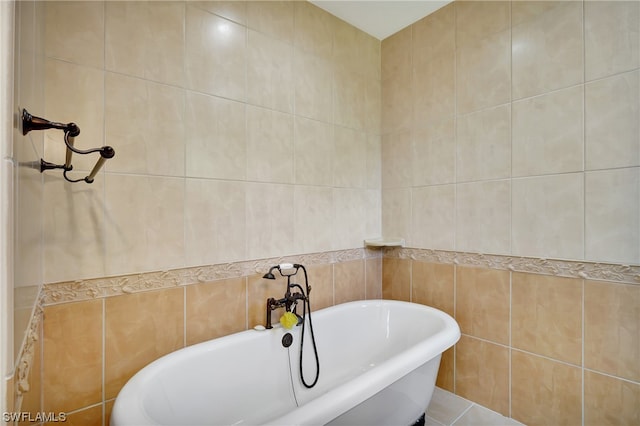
[(378, 365)]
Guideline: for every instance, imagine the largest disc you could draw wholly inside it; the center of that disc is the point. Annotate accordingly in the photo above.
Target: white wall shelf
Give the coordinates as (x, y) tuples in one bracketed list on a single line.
[(384, 242)]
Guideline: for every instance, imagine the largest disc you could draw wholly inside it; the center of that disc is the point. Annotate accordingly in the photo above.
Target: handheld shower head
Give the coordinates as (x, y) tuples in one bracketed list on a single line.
[(269, 275), (285, 269)]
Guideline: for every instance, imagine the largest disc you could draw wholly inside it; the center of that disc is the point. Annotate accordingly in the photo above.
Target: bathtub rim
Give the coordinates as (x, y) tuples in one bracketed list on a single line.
[(341, 398), (362, 387)]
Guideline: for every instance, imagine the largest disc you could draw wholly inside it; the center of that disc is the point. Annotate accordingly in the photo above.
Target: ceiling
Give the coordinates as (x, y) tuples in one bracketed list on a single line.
[(380, 18)]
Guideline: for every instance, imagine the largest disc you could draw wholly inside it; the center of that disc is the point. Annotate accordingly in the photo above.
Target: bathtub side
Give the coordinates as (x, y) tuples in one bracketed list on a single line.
[(241, 378), (407, 336)]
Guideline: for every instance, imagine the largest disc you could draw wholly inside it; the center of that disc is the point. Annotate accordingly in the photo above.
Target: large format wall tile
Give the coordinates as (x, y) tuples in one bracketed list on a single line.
[(557, 230), (556, 146), (73, 93), (612, 329), (434, 146), (612, 206), (140, 328), (433, 35), (544, 391), (349, 209), (482, 373), (349, 281), (397, 212), (215, 57), (314, 152), (313, 82), (74, 229), (547, 316), (434, 84), (397, 169), (483, 77), (270, 220), (373, 277), (482, 303), (146, 40), (313, 30), (547, 46), (610, 401), (433, 223), (72, 356), (144, 223), (433, 285), (74, 32), (215, 137), (313, 210), (349, 157), (215, 222), (396, 107), (483, 149), (483, 216), (349, 99), (269, 72), (321, 280), (612, 37), (612, 132), (481, 19), (274, 18), (145, 122), (215, 309), (269, 145), (397, 54), (396, 279)]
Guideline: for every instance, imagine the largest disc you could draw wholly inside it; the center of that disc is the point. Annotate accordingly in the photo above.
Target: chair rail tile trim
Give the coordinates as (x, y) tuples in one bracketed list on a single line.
[(563, 268), (95, 288)]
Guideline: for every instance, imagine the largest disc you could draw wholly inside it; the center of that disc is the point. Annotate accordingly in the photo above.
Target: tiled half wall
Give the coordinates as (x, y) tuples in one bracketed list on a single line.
[(89, 337), (543, 341)]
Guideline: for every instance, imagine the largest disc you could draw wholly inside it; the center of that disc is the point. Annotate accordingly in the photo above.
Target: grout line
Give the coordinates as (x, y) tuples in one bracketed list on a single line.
[(463, 413), (185, 153), (431, 419), (611, 376), (543, 357), (582, 360), (246, 302), (411, 280), (510, 155), (455, 306), (510, 339), (104, 359), (584, 202), (333, 283)]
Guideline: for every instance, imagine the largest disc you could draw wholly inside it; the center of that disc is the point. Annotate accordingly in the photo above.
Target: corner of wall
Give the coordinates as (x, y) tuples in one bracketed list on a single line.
[(6, 198)]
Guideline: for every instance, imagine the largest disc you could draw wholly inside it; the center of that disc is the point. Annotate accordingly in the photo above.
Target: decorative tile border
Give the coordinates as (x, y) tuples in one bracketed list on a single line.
[(25, 358), (73, 291), (562, 268)]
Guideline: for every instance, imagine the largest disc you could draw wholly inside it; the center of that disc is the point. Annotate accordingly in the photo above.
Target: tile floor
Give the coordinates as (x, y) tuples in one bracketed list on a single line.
[(447, 409)]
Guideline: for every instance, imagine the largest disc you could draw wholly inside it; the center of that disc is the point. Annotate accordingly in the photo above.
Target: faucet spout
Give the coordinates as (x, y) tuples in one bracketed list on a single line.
[(288, 302)]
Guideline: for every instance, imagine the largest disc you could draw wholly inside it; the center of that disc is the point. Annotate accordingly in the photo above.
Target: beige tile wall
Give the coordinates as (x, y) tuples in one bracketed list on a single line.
[(242, 130), (512, 128), (24, 154), (263, 139), (91, 348), (523, 340)]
